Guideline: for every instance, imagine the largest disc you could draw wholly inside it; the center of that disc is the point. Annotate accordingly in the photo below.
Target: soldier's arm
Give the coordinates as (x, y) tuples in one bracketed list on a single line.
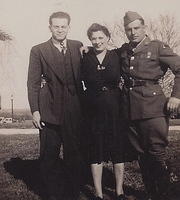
[(169, 58)]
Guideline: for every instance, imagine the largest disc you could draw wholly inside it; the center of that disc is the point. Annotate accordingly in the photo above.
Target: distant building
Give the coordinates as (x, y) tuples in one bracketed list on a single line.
[(6, 120)]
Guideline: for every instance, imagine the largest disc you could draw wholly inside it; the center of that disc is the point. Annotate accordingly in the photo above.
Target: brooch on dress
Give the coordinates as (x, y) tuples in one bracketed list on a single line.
[(149, 54), (100, 67)]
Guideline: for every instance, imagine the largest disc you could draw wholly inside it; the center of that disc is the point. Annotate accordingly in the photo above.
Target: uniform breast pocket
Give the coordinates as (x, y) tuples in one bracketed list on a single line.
[(148, 57), (154, 101), (152, 58), (147, 66)]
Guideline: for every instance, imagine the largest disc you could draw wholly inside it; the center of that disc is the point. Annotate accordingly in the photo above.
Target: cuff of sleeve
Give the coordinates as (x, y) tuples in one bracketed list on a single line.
[(175, 94)]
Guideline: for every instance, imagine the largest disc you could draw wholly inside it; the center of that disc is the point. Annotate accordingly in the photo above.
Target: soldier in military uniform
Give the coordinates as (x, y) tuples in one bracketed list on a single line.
[(143, 63)]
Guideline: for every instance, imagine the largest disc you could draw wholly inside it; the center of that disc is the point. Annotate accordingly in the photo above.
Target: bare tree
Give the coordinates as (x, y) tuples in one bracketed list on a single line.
[(4, 36), (118, 36), (166, 29)]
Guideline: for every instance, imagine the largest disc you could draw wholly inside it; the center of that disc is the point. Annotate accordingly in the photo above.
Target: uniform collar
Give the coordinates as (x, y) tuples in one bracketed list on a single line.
[(142, 44)]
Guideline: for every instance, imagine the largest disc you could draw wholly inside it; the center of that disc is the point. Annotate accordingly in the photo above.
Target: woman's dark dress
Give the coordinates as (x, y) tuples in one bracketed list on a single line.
[(102, 103)]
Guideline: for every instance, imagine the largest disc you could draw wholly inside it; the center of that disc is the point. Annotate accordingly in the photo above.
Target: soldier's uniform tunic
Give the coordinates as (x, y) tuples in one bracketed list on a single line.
[(145, 103)]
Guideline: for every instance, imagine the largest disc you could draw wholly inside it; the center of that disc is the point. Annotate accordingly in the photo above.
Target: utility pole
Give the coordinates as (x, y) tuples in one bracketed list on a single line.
[(12, 107)]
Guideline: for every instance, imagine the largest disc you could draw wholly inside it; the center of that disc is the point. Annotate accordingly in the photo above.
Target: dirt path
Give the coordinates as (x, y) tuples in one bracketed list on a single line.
[(13, 131)]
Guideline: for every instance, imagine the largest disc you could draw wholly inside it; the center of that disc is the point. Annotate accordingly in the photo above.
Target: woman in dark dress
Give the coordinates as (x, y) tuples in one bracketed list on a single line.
[(101, 74)]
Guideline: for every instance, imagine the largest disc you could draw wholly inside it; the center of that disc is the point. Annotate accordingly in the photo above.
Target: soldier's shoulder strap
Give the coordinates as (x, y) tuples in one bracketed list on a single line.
[(123, 48), (159, 43)]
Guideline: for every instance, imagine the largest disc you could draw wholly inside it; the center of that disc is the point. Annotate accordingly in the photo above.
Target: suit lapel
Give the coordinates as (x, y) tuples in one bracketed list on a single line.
[(51, 56), (73, 57)]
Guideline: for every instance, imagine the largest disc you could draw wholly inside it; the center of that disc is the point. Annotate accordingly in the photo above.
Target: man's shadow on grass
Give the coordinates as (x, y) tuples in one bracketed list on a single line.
[(29, 172)]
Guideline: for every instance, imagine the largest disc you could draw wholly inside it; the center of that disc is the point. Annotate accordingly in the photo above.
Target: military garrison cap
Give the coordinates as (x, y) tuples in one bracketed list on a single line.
[(131, 16)]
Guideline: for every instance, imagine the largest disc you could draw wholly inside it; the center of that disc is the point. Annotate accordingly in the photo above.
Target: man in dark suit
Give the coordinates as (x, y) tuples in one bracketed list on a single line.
[(54, 89), (143, 63)]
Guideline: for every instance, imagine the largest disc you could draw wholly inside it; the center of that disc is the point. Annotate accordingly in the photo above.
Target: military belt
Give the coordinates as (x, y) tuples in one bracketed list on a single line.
[(138, 82)]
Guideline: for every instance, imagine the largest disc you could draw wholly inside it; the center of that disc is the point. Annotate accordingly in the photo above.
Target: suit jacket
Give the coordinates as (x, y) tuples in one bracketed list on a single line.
[(49, 99), (148, 61)]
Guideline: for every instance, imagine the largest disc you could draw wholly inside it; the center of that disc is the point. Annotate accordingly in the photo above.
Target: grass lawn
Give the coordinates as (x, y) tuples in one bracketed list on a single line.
[(28, 124), (23, 125), (20, 180), (174, 122)]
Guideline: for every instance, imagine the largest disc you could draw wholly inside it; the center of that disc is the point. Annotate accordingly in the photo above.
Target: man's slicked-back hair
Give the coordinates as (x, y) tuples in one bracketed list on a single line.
[(60, 15)]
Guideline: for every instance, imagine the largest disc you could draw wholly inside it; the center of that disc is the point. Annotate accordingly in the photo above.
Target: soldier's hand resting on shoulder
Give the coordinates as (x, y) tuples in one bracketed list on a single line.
[(84, 49)]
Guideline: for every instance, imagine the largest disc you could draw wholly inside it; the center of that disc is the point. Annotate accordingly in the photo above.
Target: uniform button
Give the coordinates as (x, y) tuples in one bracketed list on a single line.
[(130, 88), (131, 67), (132, 58), (154, 93), (104, 88)]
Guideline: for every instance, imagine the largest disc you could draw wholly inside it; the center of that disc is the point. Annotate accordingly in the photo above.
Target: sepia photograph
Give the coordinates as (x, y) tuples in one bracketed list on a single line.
[(89, 100)]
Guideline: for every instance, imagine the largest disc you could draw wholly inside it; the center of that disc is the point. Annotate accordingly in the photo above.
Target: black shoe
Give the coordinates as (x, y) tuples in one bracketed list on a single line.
[(121, 197)]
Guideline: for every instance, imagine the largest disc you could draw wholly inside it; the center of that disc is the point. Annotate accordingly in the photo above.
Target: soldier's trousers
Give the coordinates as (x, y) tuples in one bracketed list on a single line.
[(149, 138)]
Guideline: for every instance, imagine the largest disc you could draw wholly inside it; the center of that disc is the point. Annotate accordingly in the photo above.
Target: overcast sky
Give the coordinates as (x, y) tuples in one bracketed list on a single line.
[(27, 22)]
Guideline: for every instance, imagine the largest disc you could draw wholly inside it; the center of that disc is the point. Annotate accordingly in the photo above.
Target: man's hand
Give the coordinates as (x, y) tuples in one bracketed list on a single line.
[(173, 105), (37, 120)]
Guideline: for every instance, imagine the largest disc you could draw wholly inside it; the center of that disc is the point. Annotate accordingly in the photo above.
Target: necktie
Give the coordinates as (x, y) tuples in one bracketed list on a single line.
[(63, 47)]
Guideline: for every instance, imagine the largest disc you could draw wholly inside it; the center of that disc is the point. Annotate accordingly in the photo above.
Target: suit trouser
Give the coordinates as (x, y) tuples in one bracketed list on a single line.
[(149, 137), (50, 143), (56, 175)]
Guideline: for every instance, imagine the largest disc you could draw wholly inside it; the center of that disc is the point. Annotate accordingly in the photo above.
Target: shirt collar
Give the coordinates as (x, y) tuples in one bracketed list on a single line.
[(57, 43)]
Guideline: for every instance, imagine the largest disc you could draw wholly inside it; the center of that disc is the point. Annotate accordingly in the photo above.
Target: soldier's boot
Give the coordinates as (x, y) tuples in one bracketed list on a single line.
[(163, 181), (148, 179), (151, 189)]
